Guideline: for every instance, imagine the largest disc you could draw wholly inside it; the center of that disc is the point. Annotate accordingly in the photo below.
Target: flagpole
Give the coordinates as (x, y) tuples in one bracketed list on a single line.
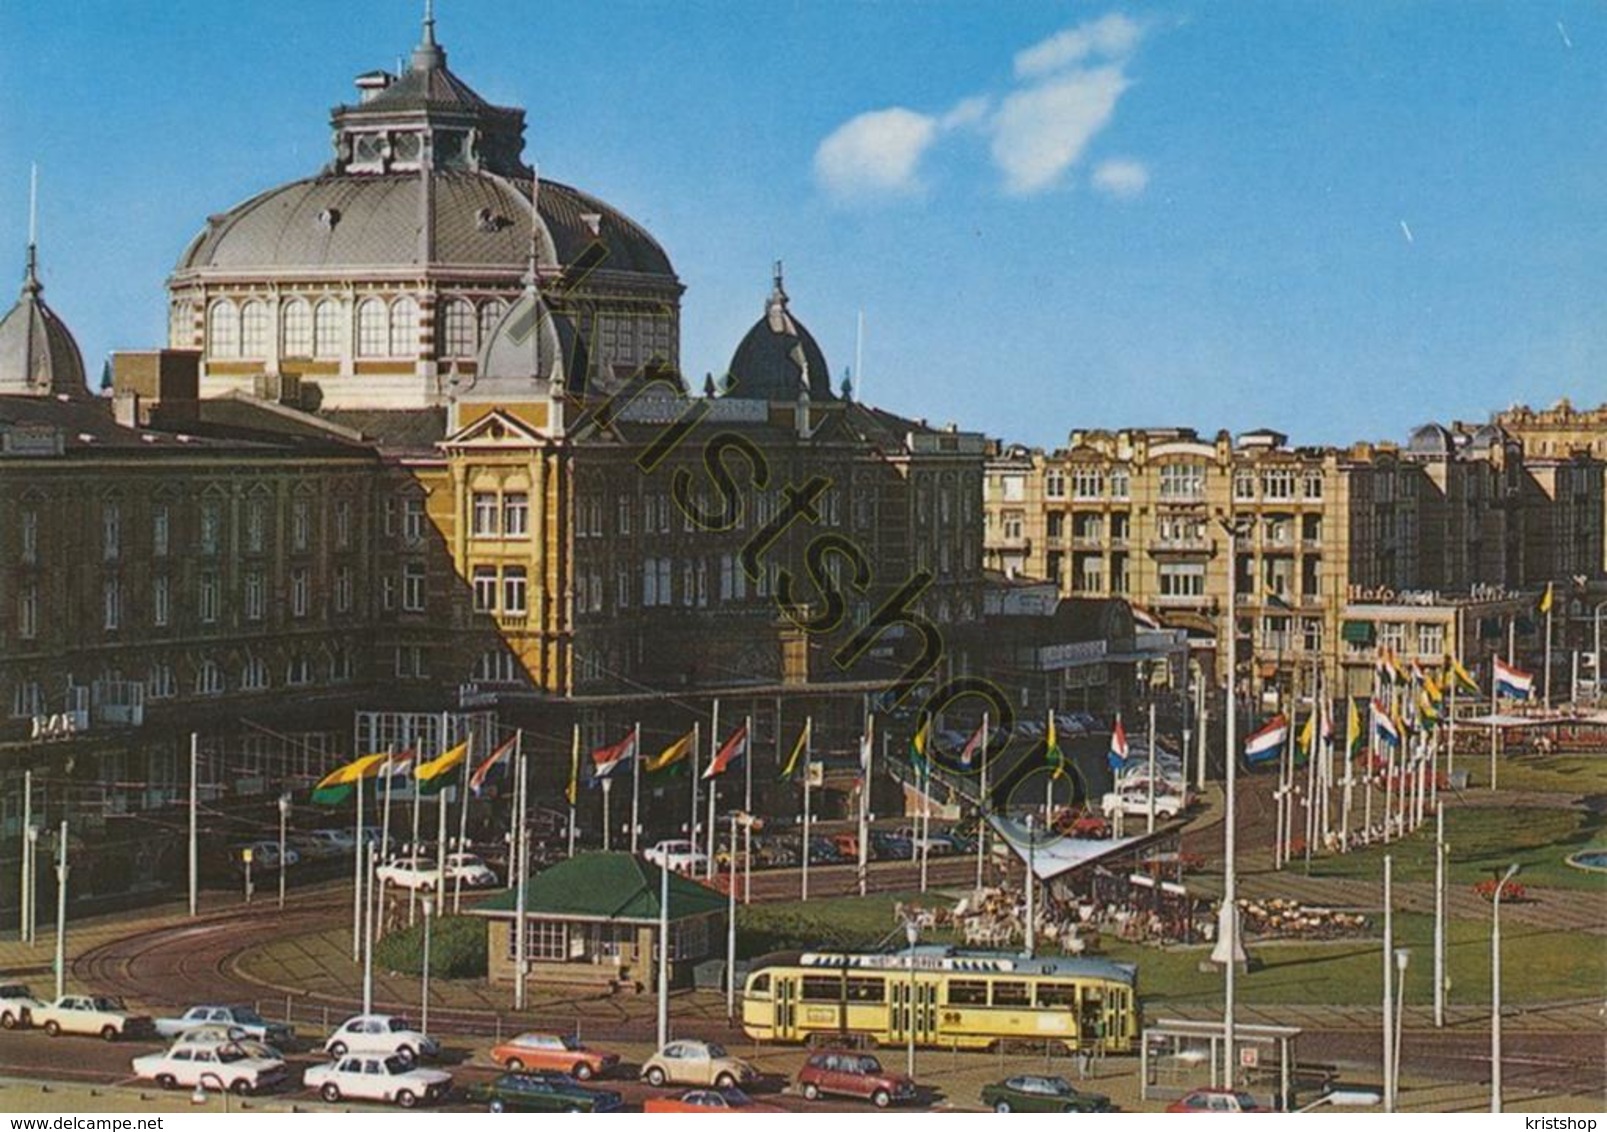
[(731, 927), (1548, 646), (982, 805), (1367, 778), (194, 847), (1150, 827), (357, 879), (377, 897), (714, 747), (1049, 783), (608, 784), (412, 845), (747, 807), (867, 749), (697, 740), (574, 780), (463, 824), (636, 785), (1389, 784), (1278, 798), (1495, 706), (440, 848), (522, 861), (1347, 797), (708, 867), (809, 753)]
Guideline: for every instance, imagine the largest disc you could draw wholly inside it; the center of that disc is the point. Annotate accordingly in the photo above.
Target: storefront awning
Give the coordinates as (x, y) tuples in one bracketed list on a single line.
[(1358, 632)]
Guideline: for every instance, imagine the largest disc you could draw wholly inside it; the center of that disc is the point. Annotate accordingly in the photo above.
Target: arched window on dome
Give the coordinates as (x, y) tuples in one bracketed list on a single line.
[(296, 334), (373, 323), (459, 338), (223, 330), (326, 330), (491, 312), (404, 328), (254, 329)]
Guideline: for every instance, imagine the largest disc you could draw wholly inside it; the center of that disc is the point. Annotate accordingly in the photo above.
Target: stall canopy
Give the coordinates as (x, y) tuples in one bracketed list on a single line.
[(1054, 854)]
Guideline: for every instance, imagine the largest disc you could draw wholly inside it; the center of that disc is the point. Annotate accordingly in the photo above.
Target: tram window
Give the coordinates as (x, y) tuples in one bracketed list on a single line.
[(867, 990), (761, 984), (1056, 994), (1010, 994), (968, 992), (821, 988)]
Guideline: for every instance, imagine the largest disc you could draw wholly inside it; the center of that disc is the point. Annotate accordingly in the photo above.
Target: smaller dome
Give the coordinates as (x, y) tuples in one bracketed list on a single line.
[(531, 352), (38, 355), (1431, 440), (778, 358)]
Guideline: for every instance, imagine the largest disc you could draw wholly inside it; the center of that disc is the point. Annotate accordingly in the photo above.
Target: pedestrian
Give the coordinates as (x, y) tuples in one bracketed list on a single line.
[(1085, 1061)]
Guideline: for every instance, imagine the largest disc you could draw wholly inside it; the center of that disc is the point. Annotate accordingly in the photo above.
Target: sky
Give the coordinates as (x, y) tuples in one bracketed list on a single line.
[(1337, 220)]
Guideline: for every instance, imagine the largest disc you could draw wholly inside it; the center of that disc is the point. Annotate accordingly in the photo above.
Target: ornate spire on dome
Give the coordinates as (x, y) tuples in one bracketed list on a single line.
[(429, 55), (38, 356)]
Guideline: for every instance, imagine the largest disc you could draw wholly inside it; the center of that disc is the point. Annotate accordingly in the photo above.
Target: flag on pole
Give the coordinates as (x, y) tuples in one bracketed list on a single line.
[(496, 761), (606, 760), (1052, 752), (1432, 689), (797, 750), (1117, 755), (730, 751), (1384, 726), (1428, 712), (1461, 677), (920, 761), (336, 786), (1308, 735), (675, 753), (975, 745), (396, 765), (572, 791), (1388, 670), (1514, 683), (1325, 727), (431, 777), (1265, 743), (1354, 736), (1545, 599), (866, 748)]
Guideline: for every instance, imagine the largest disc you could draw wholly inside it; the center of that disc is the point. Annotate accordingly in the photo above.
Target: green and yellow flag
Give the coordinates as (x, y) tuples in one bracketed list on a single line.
[(338, 785), (432, 777), (798, 749), (1308, 737), (675, 753), (1052, 752), (1460, 677), (1428, 711), (1354, 738), (920, 761)]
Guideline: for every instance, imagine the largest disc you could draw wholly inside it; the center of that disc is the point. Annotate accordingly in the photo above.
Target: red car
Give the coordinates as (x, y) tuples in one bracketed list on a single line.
[(1216, 1100), (849, 1074)]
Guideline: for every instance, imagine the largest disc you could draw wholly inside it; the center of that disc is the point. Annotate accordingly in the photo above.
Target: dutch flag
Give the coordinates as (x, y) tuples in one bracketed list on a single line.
[(1117, 756), (1385, 726), (1265, 743), (1513, 683)]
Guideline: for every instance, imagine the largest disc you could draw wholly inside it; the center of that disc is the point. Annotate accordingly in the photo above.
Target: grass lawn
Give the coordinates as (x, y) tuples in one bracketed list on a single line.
[(1552, 774), (1483, 841), (1540, 965), (847, 922)]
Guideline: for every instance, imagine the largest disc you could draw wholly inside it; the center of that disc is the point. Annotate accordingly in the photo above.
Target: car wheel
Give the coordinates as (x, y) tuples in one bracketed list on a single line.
[(406, 1099), (513, 1065), (167, 1081), (1002, 1106), (582, 1071), (496, 1104), (330, 1092), (725, 1081), (811, 1092), (881, 1098), (656, 1077), (407, 1054), (241, 1088), (337, 1050), (109, 1032), (53, 1028)]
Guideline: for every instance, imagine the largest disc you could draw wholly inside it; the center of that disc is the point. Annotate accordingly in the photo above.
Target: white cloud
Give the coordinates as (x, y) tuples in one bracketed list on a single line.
[(1113, 36), (877, 153), (967, 112), (1042, 131), (1121, 178)]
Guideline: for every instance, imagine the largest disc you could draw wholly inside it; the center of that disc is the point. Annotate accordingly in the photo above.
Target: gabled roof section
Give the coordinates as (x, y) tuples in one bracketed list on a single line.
[(497, 429), (607, 886)]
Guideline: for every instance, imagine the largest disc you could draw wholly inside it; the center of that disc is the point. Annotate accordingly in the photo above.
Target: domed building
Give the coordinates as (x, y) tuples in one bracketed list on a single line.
[(38, 355), (374, 283), (778, 359)]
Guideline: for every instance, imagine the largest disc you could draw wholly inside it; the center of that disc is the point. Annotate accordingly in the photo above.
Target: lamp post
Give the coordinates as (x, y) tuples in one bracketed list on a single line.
[(424, 1006), (33, 885), (61, 911), (912, 932), (1230, 878), (1389, 988), (1495, 988), (1402, 958), (284, 816)]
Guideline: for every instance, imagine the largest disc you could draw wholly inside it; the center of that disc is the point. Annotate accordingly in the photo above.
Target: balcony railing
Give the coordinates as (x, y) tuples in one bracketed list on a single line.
[(1201, 545)]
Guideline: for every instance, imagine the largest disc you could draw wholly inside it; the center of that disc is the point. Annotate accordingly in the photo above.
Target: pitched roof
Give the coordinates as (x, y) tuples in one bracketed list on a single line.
[(607, 886)]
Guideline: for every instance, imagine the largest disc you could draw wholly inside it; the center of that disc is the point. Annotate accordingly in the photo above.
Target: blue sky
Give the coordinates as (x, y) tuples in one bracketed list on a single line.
[(1338, 220)]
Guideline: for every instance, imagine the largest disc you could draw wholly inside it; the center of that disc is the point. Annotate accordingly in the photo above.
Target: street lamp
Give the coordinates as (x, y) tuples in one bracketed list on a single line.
[(61, 912), (32, 912), (1495, 988), (912, 932), (424, 1007), (284, 816), (1402, 958), (1229, 930)]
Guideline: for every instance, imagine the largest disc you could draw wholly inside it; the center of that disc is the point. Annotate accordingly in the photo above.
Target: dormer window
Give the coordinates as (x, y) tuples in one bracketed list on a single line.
[(369, 149)]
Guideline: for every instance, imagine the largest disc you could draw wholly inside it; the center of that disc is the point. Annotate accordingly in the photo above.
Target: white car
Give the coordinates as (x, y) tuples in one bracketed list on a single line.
[(374, 1078), (17, 1005), (1167, 804), (225, 1066), (212, 1035), (410, 872), (380, 1034), (677, 856), (92, 1014), (474, 872), (336, 841), (238, 1021)]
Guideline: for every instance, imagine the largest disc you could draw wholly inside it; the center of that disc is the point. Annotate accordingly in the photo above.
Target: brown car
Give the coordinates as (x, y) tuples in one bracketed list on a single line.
[(848, 1074)]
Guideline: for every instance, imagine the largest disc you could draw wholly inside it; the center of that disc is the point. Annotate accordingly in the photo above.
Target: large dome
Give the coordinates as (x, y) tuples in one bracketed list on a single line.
[(38, 355), (366, 221), (779, 357)]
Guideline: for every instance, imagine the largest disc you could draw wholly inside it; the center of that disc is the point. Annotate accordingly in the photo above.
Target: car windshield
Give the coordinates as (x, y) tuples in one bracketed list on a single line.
[(570, 1043), (398, 1025), (1059, 1087), (108, 1003), (396, 1064), (716, 1050), (1246, 1101)]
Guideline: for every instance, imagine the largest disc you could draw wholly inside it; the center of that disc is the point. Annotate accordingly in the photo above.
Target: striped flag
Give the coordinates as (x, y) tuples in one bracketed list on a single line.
[(975, 745), (339, 784), (606, 760), (1384, 725), (1511, 682), (495, 761), (730, 751), (1265, 743), (1117, 755)]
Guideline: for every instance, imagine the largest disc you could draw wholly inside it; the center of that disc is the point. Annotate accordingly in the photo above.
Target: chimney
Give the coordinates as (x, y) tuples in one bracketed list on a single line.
[(372, 84)]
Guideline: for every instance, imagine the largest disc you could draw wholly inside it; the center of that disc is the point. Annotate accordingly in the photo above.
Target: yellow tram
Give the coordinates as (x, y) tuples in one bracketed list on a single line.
[(961, 999)]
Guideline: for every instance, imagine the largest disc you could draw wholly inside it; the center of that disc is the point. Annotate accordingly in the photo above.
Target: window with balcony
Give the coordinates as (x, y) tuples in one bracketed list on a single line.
[(1311, 634), (1182, 579), (1431, 641), (1392, 636), (1013, 522), (1056, 525), (1088, 529)]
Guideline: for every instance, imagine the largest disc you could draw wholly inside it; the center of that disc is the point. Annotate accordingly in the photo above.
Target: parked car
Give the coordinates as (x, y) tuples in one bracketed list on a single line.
[(382, 1034), (17, 1005), (709, 1100), (845, 1073), (1032, 1093), (211, 1035), (92, 1014), (474, 872), (336, 840), (410, 872), (265, 856), (696, 1063), (1216, 1100), (677, 856), (1167, 805), (553, 1052), (886, 846), (371, 1077), (224, 1066), (240, 1021), (824, 851), (935, 844), (543, 1092)]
